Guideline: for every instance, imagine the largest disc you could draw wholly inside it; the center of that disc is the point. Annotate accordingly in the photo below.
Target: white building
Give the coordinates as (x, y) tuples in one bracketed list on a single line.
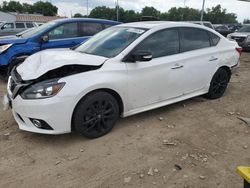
[(16, 17)]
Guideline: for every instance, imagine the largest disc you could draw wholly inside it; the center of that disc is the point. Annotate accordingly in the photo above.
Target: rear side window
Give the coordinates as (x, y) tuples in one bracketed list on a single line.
[(214, 38), (68, 30), (29, 25), (194, 39), (20, 25), (162, 43), (89, 29)]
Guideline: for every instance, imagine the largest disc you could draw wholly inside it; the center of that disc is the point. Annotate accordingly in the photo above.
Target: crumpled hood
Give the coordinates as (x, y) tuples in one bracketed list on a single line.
[(12, 39), (42, 62)]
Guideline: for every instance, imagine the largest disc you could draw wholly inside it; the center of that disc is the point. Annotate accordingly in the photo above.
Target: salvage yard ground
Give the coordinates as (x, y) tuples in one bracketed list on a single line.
[(195, 143)]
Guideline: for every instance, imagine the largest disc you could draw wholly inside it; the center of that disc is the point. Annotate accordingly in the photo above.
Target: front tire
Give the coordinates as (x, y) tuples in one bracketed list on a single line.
[(96, 114), (218, 84)]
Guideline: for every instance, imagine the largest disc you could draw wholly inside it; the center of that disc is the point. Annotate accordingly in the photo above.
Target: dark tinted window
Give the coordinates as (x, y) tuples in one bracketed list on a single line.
[(161, 43), (20, 25), (89, 29), (68, 30), (29, 25), (214, 38), (193, 39)]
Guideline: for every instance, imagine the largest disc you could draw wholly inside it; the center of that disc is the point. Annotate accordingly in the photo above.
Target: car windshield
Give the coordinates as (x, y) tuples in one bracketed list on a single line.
[(245, 28), (36, 30), (110, 42), (21, 33)]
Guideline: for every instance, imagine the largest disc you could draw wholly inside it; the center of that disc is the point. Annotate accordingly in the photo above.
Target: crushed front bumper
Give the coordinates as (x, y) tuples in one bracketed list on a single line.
[(56, 112)]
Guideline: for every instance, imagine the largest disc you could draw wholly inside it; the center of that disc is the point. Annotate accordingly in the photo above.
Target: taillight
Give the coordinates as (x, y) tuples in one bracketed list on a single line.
[(239, 50)]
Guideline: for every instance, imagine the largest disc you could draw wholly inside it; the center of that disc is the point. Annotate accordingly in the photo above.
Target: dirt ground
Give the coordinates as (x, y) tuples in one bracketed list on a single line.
[(195, 143)]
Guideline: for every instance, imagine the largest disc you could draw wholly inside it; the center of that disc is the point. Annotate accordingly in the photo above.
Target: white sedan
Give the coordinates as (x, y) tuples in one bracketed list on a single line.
[(123, 70)]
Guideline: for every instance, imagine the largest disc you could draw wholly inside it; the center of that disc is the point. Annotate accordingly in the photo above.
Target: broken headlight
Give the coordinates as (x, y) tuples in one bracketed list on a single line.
[(43, 90)]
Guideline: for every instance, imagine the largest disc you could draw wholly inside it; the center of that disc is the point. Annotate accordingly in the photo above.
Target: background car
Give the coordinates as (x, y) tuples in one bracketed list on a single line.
[(12, 28), (63, 33), (121, 71), (222, 29), (204, 23), (242, 36)]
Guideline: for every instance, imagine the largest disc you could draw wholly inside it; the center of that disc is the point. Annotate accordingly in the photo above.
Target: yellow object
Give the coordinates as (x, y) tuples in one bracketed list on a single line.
[(244, 172)]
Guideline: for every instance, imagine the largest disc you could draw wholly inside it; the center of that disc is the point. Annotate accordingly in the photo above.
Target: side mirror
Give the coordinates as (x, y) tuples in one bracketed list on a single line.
[(45, 38), (142, 56)]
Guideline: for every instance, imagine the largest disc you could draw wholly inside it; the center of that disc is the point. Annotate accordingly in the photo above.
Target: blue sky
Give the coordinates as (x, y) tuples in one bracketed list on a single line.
[(66, 7)]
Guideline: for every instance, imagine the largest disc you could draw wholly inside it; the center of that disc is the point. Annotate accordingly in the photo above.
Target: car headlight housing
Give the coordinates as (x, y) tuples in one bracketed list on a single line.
[(42, 90), (5, 47)]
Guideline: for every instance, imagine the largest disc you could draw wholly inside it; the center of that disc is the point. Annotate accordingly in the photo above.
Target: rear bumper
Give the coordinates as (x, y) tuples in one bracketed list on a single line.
[(235, 67)]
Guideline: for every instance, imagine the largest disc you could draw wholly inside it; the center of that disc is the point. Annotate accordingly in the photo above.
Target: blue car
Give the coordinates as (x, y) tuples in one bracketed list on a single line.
[(63, 33)]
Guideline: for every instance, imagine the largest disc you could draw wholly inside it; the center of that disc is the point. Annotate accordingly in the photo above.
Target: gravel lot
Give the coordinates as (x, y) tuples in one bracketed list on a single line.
[(195, 143)]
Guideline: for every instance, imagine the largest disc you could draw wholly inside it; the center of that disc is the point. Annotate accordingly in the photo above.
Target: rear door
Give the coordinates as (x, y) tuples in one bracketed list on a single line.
[(20, 26), (201, 58)]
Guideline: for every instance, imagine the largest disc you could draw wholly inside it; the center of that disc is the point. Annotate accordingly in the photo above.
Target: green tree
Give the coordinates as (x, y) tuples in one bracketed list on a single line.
[(27, 8), (12, 6), (78, 15), (150, 11), (183, 14), (217, 15), (103, 13), (45, 8), (130, 16), (214, 15), (164, 16)]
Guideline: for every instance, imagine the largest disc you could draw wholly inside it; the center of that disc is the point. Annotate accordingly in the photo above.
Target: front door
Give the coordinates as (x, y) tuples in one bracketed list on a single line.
[(161, 78), (63, 36)]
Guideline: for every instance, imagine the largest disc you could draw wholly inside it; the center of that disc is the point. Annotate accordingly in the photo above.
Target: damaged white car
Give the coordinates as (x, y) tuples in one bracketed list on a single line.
[(121, 71)]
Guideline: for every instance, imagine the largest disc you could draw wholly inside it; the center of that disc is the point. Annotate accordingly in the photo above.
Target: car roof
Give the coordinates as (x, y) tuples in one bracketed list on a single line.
[(65, 20), (155, 24)]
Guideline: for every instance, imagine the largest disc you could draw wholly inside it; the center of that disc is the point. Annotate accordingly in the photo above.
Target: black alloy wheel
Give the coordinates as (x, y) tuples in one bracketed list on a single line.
[(96, 114), (218, 84)]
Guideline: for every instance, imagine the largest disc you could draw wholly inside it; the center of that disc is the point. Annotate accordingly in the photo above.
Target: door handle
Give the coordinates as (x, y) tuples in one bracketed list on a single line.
[(177, 66), (213, 59)]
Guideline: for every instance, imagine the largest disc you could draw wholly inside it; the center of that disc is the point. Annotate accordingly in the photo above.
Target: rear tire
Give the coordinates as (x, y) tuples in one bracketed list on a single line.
[(218, 84), (96, 114)]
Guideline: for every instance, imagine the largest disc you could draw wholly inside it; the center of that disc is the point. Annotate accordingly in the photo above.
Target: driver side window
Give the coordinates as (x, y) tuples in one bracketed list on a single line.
[(8, 26), (161, 43), (68, 30)]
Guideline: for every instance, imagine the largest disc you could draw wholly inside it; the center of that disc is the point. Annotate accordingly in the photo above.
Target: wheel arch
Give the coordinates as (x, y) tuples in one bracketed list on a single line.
[(227, 69), (112, 92)]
